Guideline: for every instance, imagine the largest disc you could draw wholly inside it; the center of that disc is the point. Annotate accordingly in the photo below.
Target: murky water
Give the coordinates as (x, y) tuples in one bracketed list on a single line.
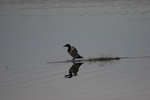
[(33, 33)]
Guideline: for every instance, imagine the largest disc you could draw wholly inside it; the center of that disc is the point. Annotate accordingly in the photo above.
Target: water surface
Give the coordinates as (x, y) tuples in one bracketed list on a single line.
[(33, 33)]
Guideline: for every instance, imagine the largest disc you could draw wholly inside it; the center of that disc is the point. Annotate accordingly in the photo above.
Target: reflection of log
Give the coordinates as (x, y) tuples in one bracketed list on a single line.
[(89, 60)]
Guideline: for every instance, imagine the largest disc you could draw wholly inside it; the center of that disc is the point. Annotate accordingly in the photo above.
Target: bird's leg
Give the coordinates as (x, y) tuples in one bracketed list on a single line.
[(69, 75), (73, 59)]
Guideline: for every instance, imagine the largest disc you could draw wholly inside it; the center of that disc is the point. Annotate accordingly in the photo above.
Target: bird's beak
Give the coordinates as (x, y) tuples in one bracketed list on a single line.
[(64, 46)]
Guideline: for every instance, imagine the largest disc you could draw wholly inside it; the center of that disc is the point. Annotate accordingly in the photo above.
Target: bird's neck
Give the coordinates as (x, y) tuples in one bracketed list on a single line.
[(69, 48)]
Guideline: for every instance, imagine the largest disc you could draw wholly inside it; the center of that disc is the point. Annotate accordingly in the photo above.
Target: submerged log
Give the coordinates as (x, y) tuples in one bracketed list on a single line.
[(89, 60)]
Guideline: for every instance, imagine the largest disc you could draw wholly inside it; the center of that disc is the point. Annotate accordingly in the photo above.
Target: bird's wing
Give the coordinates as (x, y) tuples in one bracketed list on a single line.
[(74, 49), (74, 52)]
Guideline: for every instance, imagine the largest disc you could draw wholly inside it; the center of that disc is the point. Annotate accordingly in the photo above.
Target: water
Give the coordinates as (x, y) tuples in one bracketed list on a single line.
[(33, 33)]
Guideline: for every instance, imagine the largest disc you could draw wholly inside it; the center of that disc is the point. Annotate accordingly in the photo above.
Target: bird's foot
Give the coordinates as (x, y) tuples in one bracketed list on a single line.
[(73, 59)]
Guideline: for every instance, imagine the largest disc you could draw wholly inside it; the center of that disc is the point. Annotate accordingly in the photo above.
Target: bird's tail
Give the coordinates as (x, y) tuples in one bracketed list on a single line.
[(80, 56)]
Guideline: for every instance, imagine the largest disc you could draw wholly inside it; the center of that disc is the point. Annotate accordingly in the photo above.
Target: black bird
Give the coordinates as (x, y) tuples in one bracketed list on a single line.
[(73, 51)]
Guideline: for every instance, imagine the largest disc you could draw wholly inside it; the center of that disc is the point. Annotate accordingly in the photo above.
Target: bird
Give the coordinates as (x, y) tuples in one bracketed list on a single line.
[(72, 51)]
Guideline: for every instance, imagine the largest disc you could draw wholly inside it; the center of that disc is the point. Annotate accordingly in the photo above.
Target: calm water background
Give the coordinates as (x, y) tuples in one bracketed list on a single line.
[(33, 33)]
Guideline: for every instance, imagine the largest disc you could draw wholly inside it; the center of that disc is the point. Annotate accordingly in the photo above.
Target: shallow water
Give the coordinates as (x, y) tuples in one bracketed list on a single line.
[(32, 34)]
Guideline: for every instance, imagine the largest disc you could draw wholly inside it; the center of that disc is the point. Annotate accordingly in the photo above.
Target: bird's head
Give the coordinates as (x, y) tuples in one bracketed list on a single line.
[(67, 45)]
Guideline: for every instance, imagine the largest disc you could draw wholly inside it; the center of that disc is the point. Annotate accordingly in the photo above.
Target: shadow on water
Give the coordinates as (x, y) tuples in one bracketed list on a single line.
[(103, 61), (73, 71)]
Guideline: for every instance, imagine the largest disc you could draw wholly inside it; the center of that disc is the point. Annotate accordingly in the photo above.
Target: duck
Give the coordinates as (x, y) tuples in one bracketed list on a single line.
[(73, 51)]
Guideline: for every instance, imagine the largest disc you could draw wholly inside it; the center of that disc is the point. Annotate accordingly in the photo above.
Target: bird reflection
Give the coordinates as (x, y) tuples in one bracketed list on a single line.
[(73, 70)]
